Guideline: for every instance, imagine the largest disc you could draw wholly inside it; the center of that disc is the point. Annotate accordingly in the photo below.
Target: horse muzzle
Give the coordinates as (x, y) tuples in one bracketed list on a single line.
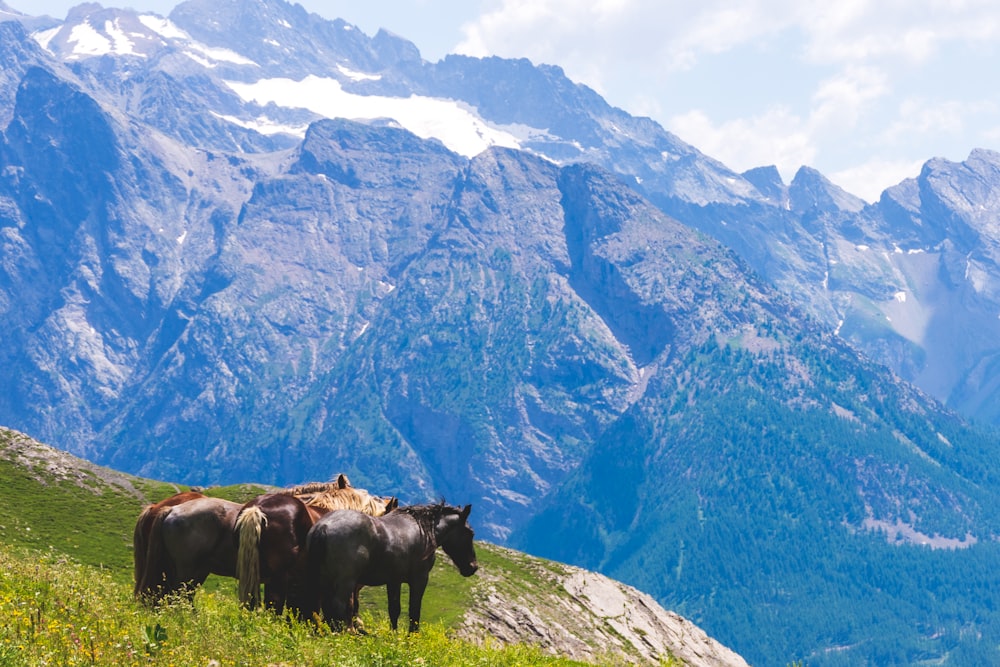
[(469, 569)]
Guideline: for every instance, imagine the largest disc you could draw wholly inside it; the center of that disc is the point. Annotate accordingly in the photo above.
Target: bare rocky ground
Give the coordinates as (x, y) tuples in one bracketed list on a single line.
[(588, 617), (54, 464)]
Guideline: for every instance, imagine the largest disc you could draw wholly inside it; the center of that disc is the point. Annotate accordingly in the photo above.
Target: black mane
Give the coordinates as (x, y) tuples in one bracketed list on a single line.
[(428, 515)]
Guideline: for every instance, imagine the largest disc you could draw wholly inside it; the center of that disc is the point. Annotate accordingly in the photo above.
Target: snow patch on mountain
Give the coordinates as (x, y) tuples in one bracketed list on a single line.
[(131, 35), (204, 55), (453, 123), (163, 27), (265, 125), (44, 37), (88, 41), (358, 76)]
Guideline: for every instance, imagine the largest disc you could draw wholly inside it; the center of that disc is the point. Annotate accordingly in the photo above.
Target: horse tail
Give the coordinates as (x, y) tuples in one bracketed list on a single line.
[(154, 559), (313, 586), (249, 525), (139, 547)]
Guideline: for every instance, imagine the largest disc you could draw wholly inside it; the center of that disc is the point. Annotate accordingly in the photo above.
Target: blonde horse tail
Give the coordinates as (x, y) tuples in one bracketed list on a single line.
[(139, 548), (249, 525)]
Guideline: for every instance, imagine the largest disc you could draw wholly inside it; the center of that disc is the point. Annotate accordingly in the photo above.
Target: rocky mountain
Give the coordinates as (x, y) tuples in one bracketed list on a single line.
[(245, 242), (908, 280)]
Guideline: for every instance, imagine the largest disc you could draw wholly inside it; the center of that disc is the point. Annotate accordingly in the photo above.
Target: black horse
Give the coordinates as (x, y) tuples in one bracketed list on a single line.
[(271, 531), (347, 549)]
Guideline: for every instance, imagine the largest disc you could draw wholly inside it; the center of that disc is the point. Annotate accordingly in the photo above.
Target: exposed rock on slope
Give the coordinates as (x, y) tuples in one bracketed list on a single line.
[(53, 465), (587, 617)]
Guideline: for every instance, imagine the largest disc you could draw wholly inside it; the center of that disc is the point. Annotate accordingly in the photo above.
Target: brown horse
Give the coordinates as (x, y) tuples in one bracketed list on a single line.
[(271, 531), (187, 542), (271, 535), (140, 535)]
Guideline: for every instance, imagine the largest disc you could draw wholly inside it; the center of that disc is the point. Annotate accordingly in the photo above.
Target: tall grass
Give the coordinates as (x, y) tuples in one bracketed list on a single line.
[(57, 612)]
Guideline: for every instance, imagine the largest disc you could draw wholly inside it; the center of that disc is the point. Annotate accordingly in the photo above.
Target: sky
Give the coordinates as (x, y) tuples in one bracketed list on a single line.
[(865, 91)]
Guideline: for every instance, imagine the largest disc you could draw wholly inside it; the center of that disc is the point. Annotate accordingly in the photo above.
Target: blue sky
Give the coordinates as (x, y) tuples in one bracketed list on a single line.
[(863, 90)]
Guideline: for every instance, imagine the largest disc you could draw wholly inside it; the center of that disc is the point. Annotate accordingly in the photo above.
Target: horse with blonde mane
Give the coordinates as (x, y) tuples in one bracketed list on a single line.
[(271, 535)]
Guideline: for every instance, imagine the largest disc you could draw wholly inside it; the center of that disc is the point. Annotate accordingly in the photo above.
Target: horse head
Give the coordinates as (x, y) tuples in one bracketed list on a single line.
[(454, 534)]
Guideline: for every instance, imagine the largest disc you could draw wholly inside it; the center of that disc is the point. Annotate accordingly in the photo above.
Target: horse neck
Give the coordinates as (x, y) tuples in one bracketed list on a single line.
[(427, 518)]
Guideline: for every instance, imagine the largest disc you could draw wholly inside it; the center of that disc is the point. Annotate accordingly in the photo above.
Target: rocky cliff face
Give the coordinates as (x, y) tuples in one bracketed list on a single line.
[(907, 280)]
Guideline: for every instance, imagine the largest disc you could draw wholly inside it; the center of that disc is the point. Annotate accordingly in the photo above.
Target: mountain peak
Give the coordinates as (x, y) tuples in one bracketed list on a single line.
[(810, 189), (283, 39), (395, 50), (768, 182)]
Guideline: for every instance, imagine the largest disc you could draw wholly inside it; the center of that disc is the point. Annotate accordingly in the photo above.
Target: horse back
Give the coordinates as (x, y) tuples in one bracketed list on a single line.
[(288, 522), (408, 549), (202, 531), (372, 551), (342, 541)]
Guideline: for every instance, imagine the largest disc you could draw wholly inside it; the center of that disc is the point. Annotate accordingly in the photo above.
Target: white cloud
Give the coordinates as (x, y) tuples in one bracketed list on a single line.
[(776, 137), (585, 36), (786, 82), (861, 30), (841, 100), (918, 116), (869, 179)]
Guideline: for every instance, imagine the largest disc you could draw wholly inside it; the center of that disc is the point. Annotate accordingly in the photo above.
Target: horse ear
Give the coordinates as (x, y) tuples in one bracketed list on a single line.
[(342, 481), (464, 515), (391, 504)]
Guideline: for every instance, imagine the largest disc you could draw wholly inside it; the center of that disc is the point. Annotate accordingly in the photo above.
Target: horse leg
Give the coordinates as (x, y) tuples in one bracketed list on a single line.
[(301, 595), (186, 578), (139, 547), (345, 607), (417, 587), (393, 591), (327, 606), (356, 602), (337, 607), (275, 592), (157, 567)]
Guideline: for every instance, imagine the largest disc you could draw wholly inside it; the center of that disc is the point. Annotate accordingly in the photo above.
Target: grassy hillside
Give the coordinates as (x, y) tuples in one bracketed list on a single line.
[(66, 578), (57, 611)]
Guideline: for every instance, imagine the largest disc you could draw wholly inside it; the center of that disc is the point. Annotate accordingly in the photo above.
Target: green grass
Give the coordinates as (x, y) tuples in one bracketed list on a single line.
[(44, 512), (57, 611)]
